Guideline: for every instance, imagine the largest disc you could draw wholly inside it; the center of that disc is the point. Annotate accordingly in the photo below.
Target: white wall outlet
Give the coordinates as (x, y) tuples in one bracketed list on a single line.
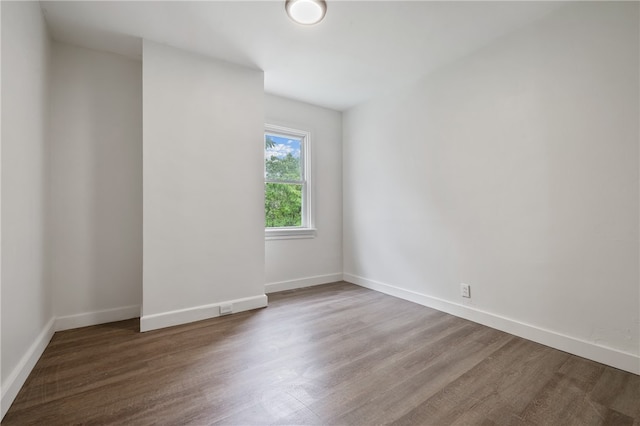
[(465, 290), (226, 309)]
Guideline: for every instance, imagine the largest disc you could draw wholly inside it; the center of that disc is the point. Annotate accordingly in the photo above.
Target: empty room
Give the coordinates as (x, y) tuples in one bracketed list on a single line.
[(309, 212)]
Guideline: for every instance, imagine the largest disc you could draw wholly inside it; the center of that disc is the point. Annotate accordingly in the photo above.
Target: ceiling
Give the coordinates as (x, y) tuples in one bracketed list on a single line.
[(360, 50)]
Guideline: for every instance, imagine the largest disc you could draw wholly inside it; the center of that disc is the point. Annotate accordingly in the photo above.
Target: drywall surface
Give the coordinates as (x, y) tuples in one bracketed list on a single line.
[(202, 182), (96, 181), (297, 262), (514, 170), (26, 298)]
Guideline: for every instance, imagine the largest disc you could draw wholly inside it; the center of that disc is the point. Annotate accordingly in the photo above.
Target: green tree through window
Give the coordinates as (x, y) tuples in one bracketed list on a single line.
[(284, 182)]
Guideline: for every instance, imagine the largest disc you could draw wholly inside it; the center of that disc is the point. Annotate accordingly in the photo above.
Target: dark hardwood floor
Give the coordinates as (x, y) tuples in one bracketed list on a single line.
[(335, 354)]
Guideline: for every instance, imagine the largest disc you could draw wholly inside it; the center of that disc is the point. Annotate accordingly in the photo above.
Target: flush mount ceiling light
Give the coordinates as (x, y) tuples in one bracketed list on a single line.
[(306, 12)]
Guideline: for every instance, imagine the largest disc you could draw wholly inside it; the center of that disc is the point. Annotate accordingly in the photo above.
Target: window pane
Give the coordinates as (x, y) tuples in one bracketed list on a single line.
[(282, 158), (282, 205)]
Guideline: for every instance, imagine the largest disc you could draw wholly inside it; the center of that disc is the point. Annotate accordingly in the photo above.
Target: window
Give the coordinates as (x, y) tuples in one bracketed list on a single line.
[(287, 192)]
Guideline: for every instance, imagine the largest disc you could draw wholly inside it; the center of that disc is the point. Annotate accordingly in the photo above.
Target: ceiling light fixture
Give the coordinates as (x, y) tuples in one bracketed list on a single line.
[(306, 12)]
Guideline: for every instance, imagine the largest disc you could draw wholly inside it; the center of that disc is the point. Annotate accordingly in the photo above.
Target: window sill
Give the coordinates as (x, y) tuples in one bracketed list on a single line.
[(289, 233)]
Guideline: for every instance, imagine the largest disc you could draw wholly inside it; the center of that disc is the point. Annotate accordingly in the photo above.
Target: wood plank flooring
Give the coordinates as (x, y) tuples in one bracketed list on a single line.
[(336, 354)]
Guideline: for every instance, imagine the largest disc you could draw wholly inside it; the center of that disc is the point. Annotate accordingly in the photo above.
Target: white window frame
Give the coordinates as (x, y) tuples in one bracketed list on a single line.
[(307, 230)]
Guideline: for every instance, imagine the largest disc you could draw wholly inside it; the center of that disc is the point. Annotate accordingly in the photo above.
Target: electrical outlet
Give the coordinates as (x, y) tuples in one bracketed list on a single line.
[(226, 309), (465, 290)]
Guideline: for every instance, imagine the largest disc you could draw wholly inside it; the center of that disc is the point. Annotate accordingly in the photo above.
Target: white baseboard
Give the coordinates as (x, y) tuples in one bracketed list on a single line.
[(97, 317), (184, 316), (302, 282), (18, 376), (605, 355)]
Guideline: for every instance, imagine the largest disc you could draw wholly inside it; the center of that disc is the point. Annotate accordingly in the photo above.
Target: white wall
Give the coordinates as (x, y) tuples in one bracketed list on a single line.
[(27, 315), (301, 262), (96, 186), (203, 186), (514, 170)]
